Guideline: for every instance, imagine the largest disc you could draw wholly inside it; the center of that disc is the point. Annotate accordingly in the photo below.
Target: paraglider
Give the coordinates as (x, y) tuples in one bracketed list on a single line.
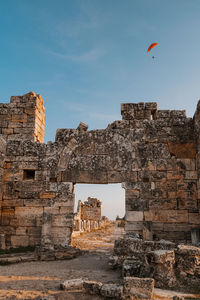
[(151, 47)]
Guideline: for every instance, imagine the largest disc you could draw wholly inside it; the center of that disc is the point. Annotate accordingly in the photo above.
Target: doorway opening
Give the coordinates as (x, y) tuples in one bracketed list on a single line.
[(99, 215)]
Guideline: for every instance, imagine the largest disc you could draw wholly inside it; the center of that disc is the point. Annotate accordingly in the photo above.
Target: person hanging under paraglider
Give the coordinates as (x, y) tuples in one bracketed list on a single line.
[(151, 47)]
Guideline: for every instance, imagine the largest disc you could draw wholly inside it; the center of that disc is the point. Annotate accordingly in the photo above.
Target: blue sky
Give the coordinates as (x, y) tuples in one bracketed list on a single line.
[(85, 57)]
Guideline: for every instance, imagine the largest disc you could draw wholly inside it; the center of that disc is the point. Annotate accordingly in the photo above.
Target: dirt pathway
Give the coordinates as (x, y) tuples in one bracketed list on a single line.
[(37, 280), (31, 279), (101, 240)]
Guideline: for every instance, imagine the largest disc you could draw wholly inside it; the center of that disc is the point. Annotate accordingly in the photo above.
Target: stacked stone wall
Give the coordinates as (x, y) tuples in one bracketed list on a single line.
[(172, 266), (155, 159), (37, 210), (153, 153), (23, 118)]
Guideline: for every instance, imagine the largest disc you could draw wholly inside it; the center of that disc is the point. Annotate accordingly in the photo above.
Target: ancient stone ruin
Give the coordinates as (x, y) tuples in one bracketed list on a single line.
[(88, 216), (153, 153)]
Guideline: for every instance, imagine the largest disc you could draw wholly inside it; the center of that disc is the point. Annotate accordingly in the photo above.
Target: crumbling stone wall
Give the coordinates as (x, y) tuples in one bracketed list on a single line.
[(172, 266), (88, 215), (153, 153), (23, 118)]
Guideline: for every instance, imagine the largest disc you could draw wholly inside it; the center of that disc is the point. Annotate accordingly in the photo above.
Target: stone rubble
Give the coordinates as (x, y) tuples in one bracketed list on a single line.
[(131, 289), (72, 284), (169, 264)]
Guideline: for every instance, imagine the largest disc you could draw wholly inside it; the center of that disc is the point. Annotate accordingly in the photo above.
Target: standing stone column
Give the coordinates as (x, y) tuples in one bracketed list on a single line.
[(46, 238)]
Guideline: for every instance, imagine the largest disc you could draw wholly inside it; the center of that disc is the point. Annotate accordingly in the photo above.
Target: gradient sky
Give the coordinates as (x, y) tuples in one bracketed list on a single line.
[(85, 57)]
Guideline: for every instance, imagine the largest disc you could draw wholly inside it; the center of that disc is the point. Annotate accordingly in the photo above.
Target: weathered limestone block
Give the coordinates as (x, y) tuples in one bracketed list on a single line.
[(19, 240), (170, 265), (138, 288), (9, 191), (136, 227), (72, 284), (47, 195), (187, 270), (82, 127), (162, 267), (26, 216), (92, 287), (194, 218), (78, 176), (167, 216), (134, 216), (188, 259), (7, 214), (111, 290), (61, 221), (61, 235), (65, 189), (131, 267), (28, 211), (164, 204), (21, 230), (182, 150)]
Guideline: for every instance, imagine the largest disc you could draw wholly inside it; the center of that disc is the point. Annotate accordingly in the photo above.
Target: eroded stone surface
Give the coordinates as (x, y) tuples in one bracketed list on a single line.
[(170, 265), (154, 153)]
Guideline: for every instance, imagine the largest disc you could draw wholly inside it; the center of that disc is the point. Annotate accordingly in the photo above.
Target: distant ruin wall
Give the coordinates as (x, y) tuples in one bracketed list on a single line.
[(153, 153), (88, 216)]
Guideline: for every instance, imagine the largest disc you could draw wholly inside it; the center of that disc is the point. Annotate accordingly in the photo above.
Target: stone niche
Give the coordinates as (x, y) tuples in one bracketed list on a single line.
[(153, 153)]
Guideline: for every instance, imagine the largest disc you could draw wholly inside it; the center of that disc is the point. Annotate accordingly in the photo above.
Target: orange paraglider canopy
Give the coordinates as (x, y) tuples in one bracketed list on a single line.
[(151, 46)]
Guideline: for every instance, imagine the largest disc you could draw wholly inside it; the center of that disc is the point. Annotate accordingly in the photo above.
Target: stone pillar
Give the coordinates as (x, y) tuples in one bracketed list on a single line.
[(46, 238)]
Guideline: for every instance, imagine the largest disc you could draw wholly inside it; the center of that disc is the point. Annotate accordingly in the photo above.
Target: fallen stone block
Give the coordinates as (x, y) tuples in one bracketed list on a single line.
[(162, 267), (92, 287), (138, 288), (162, 256), (72, 284), (112, 291)]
